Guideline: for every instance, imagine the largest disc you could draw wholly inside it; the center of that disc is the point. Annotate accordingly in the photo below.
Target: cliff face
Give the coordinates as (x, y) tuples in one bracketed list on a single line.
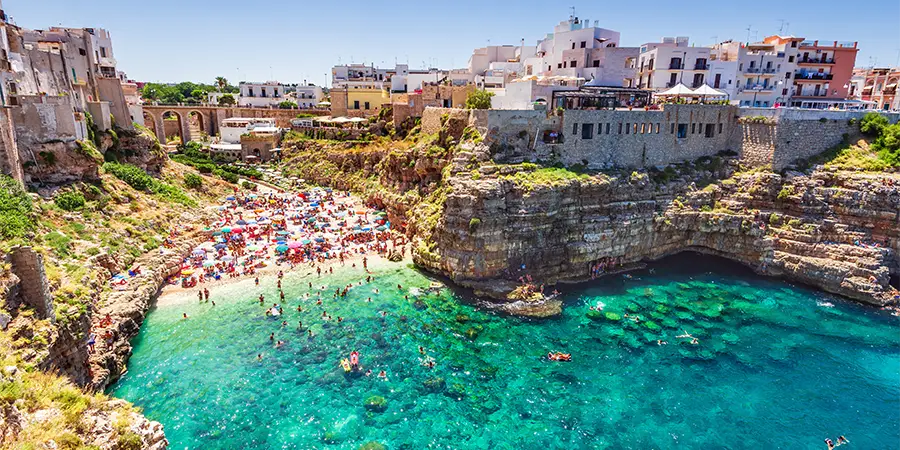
[(503, 222)]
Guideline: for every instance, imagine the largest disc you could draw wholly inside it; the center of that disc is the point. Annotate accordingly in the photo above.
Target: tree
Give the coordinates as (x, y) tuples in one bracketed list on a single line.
[(873, 124), (287, 105), (222, 83), (227, 100), (479, 99), (198, 94)]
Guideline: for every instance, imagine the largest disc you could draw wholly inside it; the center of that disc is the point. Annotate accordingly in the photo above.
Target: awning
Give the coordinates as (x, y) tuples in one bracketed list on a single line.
[(708, 91), (679, 89)]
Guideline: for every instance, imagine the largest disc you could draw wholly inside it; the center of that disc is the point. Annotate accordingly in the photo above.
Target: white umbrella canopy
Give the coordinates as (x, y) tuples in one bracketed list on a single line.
[(708, 91), (679, 89)]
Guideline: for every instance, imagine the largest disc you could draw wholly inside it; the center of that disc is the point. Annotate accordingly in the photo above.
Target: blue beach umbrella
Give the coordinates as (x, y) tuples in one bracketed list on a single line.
[(281, 248)]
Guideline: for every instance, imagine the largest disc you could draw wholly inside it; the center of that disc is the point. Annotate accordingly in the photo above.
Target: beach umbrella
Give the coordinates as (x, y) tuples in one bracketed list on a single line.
[(227, 258), (220, 246), (241, 222), (237, 230), (199, 251), (294, 244), (187, 272), (381, 228), (281, 248), (251, 222), (252, 196), (381, 214), (226, 229), (306, 242), (253, 248), (360, 212), (208, 263), (230, 198)]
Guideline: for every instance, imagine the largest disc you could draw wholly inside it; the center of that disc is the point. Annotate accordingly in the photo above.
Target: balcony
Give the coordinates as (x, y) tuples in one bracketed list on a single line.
[(701, 66), (816, 61), (676, 66), (812, 76), (759, 87)]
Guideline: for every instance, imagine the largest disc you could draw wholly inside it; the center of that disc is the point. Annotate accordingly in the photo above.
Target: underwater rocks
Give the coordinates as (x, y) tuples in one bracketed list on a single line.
[(376, 403)]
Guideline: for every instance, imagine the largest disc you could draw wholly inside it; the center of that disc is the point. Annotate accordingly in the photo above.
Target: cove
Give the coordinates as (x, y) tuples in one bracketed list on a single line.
[(776, 366)]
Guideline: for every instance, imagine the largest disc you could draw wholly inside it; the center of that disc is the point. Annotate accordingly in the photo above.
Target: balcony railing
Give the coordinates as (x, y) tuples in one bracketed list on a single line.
[(816, 61), (701, 66), (758, 87), (676, 66), (812, 76)]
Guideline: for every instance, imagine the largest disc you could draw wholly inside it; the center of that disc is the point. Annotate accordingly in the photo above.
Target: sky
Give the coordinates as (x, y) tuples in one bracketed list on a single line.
[(294, 41)]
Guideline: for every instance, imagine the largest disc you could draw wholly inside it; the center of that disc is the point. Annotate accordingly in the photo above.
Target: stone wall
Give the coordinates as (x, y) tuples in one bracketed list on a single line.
[(600, 139), (10, 162), (34, 292), (110, 90)]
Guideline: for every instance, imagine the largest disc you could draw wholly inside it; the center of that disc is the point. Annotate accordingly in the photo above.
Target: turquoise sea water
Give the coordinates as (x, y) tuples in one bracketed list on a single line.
[(773, 367)]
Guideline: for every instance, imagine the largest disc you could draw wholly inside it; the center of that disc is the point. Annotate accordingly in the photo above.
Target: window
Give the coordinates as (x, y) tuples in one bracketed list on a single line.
[(275, 92), (673, 79), (710, 130), (250, 92), (693, 128), (793, 44), (82, 52), (642, 127), (573, 46), (607, 128), (620, 127), (574, 128), (790, 58), (634, 129), (627, 128), (784, 92), (720, 128), (559, 66), (367, 105), (596, 63), (682, 130), (262, 92), (587, 131), (573, 63), (787, 75), (355, 104), (583, 44), (672, 129), (717, 80), (103, 52), (657, 128)]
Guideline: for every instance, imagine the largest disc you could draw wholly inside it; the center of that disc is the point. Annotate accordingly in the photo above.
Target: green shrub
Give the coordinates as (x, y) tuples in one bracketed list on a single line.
[(474, 223), (69, 200), (785, 192), (248, 185), (479, 99), (873, 124), (60, 243), (16, 216), (129, 441), (132, 175), (795, 223), (193, 181)]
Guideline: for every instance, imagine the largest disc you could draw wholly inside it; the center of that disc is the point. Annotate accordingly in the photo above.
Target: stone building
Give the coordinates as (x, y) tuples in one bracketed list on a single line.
[(261, 145)]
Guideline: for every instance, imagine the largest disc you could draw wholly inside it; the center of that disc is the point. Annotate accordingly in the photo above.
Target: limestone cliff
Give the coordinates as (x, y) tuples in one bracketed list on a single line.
[(502, 222)]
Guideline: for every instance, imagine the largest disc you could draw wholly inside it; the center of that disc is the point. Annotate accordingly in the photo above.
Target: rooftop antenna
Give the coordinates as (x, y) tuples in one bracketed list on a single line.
[(781, 28), (748, 33), (572, 17)]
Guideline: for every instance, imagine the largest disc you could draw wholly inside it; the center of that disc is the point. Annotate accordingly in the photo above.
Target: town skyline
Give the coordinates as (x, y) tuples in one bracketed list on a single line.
[(418, 45)]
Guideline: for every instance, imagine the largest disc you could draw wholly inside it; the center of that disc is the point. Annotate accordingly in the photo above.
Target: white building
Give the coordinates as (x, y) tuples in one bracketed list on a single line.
[(765, 73), (663, 65), (253, 94), (531, 92), (308, 96), (231, 129)]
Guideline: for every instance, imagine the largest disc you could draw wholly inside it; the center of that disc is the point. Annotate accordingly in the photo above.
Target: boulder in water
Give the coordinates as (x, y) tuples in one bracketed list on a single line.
[(372, 446), (376, 403), (436, 384)]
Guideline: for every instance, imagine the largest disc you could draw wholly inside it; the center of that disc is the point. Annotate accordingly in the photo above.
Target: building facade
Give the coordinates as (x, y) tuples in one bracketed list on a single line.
[(267, 94), (879, 88), (824, 70), (665, 64)]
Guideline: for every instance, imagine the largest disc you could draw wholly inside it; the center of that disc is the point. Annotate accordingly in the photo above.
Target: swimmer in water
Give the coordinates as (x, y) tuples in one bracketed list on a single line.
[(310, 332), (382, 375), (369, 300), (214, 303), (421, 350), (279, 344), (185, 315), (375, 290), (661, 342), (259, 357), (272, 337), (369, 373), (384, 314), (299, 308), (340, 319), (284, 324)]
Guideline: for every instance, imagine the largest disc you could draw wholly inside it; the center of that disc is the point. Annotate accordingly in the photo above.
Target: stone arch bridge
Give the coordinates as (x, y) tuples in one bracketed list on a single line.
[(192, 120)]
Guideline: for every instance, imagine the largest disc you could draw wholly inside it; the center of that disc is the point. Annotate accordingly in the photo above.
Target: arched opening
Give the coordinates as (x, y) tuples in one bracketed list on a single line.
[(150, 122), (197, 127), (172, 128)]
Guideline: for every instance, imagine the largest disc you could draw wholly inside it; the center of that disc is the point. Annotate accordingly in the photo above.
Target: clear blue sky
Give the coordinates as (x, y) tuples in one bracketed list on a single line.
[(293, 41)]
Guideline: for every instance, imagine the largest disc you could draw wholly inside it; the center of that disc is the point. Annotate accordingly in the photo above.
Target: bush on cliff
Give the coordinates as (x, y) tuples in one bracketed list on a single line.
[(15, 209), (479, 99), (873, 124), (139, 180), (193, 181), (70, 200)]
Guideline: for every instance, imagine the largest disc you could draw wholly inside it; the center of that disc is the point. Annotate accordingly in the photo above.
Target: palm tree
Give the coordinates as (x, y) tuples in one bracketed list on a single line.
[(222, 83)]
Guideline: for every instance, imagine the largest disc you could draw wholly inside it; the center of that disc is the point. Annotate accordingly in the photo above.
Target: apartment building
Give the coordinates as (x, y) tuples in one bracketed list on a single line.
[(824, 70), (663, 65), (256, 94), (879, 87)]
